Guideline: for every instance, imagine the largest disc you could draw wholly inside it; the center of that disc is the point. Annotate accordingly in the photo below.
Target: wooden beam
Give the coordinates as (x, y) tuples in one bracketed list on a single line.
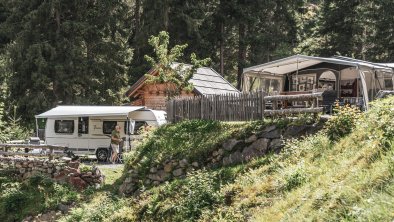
[(300, 97), (292, 111)]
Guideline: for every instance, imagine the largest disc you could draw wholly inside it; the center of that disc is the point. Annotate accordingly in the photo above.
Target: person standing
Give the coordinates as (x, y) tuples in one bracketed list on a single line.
[(115, 141)]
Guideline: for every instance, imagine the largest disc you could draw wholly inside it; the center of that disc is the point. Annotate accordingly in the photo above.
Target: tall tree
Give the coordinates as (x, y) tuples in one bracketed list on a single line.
[(66, 52), (175, 75)]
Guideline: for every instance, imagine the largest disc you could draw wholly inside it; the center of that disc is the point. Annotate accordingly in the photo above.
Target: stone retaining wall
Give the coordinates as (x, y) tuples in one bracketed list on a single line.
[(232, 151), (64, 171)]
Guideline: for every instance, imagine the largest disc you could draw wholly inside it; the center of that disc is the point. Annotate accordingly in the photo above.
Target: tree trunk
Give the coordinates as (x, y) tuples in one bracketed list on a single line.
[(222, 48), (241, 52)]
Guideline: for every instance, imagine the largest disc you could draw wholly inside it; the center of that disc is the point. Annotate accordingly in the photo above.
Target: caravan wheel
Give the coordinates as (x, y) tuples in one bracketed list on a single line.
[(102, 155)]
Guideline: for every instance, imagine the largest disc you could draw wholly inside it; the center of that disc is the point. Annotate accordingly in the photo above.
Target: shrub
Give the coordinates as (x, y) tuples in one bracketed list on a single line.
[(36, 195), (183, 200), (342, 122)]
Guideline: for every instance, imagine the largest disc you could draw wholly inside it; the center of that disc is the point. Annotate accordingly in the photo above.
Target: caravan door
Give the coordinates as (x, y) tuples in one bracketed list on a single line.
[(83, 136)]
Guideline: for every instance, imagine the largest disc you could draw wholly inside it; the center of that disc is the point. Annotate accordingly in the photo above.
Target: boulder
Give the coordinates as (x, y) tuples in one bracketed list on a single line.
[(294, 131), (153, 170), (183, 163), (73, 164), (78, 183), (154, 177), (276, 145), (230, 144), (64, 208), (260, 144), (163, 175), (251, 139), (178, 172), (274, 134), (168, 168), (233, 158), (195, 164)]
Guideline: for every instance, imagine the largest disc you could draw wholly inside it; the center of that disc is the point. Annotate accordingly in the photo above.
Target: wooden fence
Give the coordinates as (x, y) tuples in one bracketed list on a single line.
[(10, 149), (240, 107)]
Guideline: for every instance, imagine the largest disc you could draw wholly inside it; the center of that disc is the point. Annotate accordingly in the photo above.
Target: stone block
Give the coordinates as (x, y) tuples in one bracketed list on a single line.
[(73, 164), (178, 172), (78, 183), (251, 139), (153, 170), (183, 163), (168, 167), (230, 144)]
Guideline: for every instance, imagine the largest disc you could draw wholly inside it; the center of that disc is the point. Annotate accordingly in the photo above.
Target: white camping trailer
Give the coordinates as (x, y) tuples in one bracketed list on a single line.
[(86, 130)]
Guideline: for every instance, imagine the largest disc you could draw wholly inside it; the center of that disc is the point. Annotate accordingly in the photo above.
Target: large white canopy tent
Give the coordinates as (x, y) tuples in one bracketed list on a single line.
[(347, 68)]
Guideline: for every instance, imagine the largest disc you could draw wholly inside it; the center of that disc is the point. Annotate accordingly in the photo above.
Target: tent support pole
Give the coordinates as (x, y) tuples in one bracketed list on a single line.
[(364, 88)]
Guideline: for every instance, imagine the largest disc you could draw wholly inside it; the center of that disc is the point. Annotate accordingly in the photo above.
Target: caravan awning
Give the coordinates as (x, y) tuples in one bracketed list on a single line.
[(80, 111), (298, 62)]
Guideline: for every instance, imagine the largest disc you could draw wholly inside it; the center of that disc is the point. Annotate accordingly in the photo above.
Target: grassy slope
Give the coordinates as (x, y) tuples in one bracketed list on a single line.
[(313, 179)]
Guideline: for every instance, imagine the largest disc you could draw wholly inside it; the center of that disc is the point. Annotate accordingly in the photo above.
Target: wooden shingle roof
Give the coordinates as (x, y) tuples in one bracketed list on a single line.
[(206, 81)]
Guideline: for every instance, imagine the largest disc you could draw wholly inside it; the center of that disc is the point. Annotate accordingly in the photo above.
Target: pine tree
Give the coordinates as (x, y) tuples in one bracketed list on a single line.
[(66, 52)]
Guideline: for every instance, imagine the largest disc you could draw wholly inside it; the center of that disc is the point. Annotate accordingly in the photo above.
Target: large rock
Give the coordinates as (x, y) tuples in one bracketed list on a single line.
[(183, 163), (230, 144), (260, 144), (73, 164), (178, 172), (274, 134), (78, 183), (168, 168), (276, 145), (233, 158), (295, 131), (251, 139), (258, 148)]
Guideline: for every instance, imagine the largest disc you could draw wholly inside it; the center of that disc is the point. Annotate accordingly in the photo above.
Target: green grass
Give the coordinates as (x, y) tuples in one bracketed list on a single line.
[(36, 195), (347, 177)]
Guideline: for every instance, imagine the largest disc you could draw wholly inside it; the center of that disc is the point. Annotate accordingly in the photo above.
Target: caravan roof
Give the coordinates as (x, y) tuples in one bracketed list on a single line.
[(77, 111)]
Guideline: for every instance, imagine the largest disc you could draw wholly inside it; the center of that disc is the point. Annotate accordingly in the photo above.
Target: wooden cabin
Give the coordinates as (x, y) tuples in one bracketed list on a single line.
[(206, 81)]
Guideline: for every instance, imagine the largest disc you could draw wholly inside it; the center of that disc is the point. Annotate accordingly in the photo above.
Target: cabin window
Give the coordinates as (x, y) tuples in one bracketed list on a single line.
[(108, 126), (64, 126), (83, 125), (266, 83)]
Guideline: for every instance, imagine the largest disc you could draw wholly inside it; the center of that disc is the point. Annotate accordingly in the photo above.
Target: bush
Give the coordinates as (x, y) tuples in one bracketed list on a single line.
[(38, 194), (342, 122), (183, 200)]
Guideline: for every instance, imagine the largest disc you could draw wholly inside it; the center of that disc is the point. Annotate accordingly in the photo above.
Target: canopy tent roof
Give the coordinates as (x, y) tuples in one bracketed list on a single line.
[(205, 80), (80, 111), (298, 62)]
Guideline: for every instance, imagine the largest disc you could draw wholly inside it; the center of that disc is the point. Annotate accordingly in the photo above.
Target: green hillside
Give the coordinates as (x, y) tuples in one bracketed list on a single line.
[(343, 173)]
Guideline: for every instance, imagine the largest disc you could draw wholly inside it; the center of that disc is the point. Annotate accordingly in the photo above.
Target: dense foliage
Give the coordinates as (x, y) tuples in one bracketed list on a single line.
[(21, 199), (72, 52)]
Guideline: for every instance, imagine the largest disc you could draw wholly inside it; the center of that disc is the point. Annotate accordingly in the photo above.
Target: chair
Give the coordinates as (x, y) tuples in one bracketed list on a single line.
[(329, 98)]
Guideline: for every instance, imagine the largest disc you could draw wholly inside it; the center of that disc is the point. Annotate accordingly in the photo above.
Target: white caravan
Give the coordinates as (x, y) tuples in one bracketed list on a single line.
[(86, 130)]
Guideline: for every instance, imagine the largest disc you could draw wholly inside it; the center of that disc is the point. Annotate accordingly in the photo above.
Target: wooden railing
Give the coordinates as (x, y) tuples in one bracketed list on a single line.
[(10, 149), (311, 104), (241, 107)]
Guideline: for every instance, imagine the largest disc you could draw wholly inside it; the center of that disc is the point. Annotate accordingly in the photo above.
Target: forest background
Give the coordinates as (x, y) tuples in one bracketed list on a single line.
[(90, 51)]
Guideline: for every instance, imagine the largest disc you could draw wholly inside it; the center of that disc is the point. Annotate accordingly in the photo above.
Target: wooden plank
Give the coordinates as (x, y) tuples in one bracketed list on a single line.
[(292, 111), (31, 146), (299, 97), (29, 154)]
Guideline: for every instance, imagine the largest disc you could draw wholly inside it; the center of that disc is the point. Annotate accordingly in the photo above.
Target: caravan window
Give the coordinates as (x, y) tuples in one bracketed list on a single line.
[(108, 126), (64, 126), (83, 125)]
